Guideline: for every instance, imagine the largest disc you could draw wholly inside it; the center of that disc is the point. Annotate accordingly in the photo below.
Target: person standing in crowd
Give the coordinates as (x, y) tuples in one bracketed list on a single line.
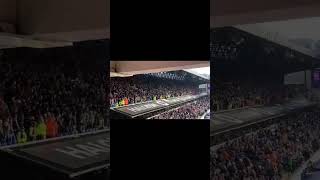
[(10, 137), (52, 127), (40, 130), (32, 131), (22, 136)]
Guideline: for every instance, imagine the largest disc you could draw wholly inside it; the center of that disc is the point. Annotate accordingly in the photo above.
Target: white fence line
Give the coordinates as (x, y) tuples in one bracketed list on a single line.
[(53, 139)]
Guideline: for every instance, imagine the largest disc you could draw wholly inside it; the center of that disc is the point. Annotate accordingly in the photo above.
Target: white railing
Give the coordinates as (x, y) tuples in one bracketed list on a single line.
[(54, 139)]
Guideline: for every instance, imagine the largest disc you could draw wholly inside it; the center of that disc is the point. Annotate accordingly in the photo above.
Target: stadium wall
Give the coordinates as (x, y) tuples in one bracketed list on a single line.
[(300, 77)]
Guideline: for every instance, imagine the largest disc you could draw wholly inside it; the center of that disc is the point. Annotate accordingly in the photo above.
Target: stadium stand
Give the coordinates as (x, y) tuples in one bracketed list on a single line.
[(263, 128), (191, 110), (270, 151), (141, 88), (165, 95), (240, 94), (49, 98)]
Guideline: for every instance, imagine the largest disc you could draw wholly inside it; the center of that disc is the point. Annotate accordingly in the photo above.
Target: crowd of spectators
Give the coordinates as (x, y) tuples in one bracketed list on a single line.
[(141, 88), (45, 100), (192, 110), (223, 51), (233, 95), (268, 153)]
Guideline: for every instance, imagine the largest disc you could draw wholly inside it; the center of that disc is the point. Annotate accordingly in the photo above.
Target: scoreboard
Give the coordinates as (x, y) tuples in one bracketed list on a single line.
[(202, 86), (206, 87)]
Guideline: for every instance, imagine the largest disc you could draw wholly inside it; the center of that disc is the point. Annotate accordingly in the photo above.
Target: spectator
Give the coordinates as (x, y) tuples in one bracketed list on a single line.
[(21, 136), (40, 130), (52, 127)]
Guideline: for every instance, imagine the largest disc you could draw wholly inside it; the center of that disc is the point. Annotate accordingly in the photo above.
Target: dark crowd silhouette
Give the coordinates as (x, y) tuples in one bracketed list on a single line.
[(47, 99), (270, 152)]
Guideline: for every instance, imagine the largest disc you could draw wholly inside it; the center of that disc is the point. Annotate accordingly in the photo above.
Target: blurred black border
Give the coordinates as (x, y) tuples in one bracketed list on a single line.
[(163, 30)]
